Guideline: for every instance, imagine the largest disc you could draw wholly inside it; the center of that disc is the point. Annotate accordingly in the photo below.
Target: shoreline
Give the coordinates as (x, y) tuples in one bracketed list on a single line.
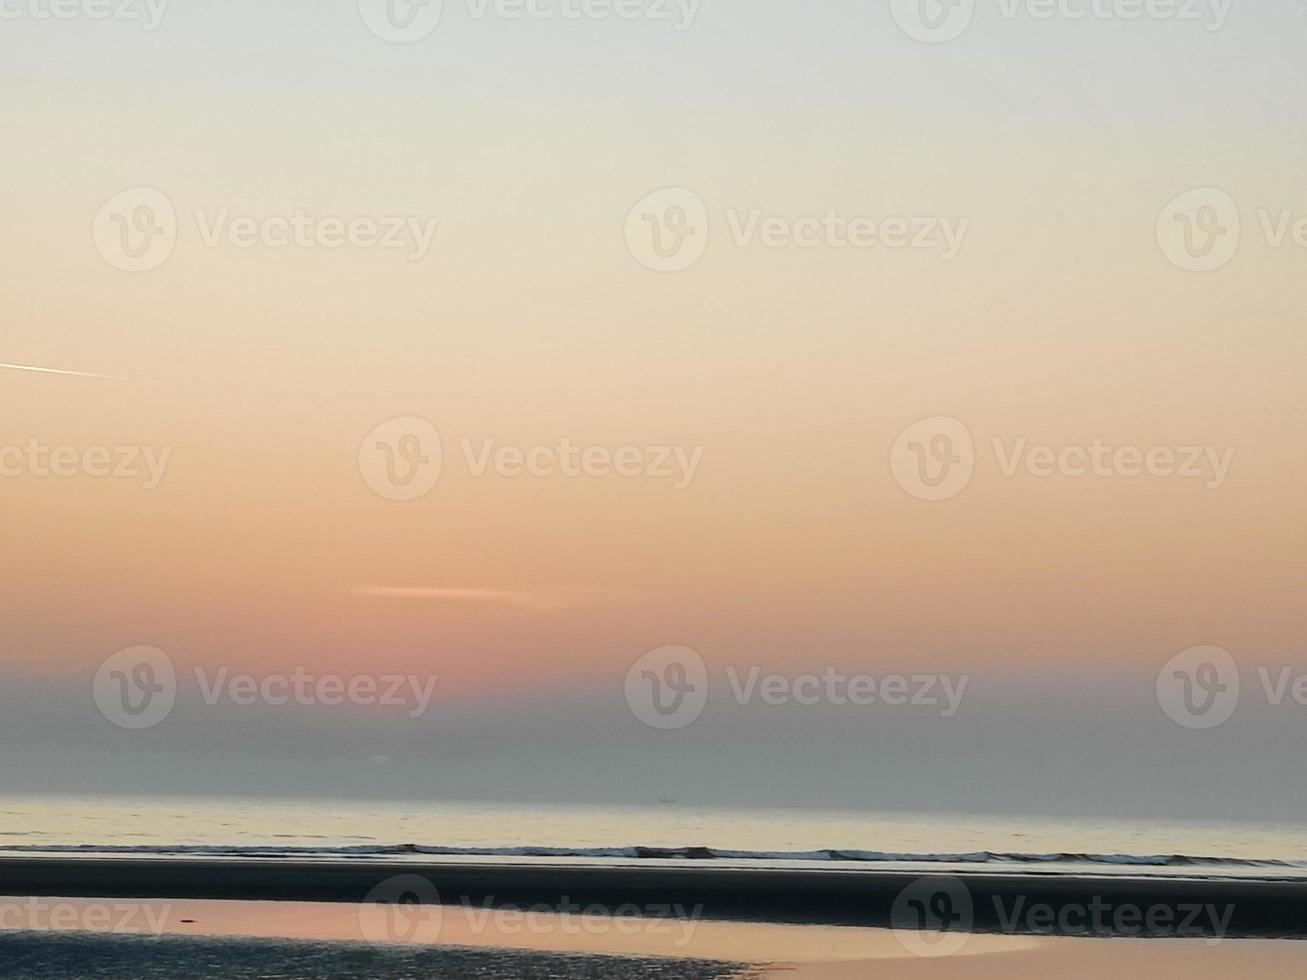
[(304, 941), (1068, 905)]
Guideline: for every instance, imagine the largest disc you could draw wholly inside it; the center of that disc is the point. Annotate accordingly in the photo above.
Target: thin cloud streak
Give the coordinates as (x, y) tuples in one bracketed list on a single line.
[(67, 374), (537, 600)]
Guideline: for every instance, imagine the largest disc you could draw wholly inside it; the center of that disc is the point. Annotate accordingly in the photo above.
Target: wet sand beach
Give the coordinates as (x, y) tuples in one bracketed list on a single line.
[(58, 956), (309, 941), (1080, 959)]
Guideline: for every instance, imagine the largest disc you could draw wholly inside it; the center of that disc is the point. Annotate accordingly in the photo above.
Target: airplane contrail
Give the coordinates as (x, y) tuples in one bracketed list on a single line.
[(69, 374)]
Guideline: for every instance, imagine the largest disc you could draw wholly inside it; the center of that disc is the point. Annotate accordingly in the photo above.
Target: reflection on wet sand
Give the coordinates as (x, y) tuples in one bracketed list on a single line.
[(773, 951)]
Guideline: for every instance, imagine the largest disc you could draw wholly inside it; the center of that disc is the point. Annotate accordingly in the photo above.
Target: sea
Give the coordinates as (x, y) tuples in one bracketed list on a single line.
[(409, 831)]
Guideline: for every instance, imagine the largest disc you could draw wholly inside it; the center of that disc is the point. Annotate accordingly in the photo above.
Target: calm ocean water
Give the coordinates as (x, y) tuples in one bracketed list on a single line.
[(340, 828)]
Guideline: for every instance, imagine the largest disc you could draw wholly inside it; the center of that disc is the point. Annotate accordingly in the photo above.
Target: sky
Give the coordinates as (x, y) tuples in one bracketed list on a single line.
[(765, 395)]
